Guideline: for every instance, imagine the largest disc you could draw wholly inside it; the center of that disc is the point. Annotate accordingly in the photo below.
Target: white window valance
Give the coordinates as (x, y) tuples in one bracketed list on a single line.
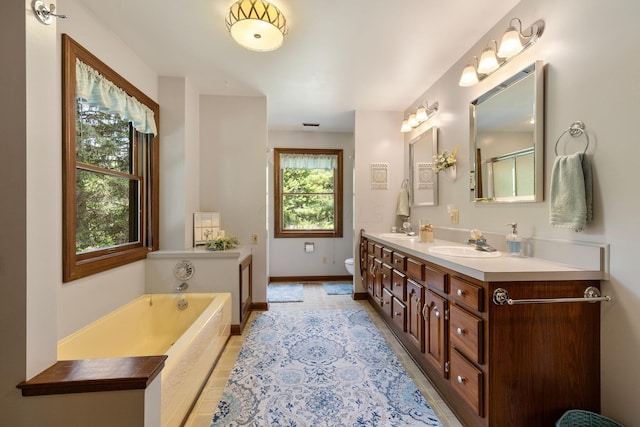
[(308, 161), (96, 90)]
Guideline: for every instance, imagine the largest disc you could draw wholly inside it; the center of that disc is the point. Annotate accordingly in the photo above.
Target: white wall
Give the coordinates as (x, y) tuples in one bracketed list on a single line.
[(286, 256), (233, 144), (592, 58), (179, 162), (377, 140)]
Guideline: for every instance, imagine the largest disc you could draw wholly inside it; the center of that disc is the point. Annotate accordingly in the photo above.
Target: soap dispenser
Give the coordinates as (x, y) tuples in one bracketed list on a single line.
[(514, 242)]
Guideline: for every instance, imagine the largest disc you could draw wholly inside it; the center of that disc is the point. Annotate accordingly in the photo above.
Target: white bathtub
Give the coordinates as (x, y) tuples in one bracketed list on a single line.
[(153, 324)]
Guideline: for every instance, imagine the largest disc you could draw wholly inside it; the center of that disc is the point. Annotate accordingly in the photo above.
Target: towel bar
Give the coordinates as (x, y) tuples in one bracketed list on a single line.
[(575, 130), (591, 294)]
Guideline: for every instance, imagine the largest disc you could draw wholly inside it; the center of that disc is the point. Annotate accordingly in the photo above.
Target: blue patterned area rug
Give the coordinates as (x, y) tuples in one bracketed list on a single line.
[(322, 368), (338, 288), (285, 293)]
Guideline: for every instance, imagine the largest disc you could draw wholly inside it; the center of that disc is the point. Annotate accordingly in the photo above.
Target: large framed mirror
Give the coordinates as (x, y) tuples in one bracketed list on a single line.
[(423, 181), (507, 140)]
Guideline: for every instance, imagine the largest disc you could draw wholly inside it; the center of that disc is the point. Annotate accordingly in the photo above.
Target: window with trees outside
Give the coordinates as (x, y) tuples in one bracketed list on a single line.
[(307, 192), (110, 167)]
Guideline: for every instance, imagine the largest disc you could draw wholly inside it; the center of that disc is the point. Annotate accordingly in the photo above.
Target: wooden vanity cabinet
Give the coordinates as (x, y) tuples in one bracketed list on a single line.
[(495, 365), (436, 341), (415, 318)]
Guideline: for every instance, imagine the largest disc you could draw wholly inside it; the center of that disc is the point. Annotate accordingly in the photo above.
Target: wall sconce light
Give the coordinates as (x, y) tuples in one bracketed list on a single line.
[(512, 43), (422, 114)]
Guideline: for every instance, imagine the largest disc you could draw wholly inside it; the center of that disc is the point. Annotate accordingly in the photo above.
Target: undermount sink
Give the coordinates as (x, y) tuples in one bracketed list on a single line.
[(397, 236), (462, 251)]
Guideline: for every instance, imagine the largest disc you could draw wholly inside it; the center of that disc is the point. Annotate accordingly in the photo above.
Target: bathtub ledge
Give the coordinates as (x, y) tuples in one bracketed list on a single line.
[(92, 375)]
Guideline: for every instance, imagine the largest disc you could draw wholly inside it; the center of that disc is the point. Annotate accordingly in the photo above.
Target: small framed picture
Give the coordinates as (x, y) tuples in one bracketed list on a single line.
[(379, 175)]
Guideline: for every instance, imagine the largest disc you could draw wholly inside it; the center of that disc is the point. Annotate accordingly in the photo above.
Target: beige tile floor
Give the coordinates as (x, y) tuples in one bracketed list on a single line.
[(314, 299)]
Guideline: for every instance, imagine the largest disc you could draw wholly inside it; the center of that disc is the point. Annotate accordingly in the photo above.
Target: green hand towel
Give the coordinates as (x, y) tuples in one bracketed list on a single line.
[(403, 203), (571, 192)]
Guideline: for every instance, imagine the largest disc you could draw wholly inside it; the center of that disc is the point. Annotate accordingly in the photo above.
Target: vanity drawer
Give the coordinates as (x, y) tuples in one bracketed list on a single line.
[(377, 251), (436, 279), (466, 333), (386, 273), (387, 256), (467, 293), (415, 270), (371, 248), (467, 380), (399, 314), (399, 262), (399, 285), (387, 302)]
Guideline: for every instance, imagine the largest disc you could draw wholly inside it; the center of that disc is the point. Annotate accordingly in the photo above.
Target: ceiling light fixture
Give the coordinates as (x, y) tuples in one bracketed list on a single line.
[(422, 114), (512, 43), (257, 25)]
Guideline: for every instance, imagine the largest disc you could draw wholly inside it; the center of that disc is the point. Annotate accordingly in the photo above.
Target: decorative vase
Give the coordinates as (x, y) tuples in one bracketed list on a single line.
[(451, 173)]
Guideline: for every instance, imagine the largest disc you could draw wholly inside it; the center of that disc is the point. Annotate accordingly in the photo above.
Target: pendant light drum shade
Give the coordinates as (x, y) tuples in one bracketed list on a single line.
[(257, 25)]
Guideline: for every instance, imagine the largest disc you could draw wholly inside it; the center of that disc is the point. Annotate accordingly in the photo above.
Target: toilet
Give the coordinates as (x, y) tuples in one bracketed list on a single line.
[(348, 263)]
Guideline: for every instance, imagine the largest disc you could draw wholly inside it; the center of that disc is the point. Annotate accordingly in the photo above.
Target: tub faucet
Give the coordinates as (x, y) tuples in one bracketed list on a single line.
[(182, 287)]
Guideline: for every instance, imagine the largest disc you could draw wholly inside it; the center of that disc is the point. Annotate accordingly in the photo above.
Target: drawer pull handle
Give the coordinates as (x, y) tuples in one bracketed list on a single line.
[(460, 331), (437, 313), (461, 380), (424, 316), (398, 284), (397, 313), (460, 292)]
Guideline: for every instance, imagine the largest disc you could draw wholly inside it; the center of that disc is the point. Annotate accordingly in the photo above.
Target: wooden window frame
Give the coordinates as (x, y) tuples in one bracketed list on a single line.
[(75, 265), (279, 232)]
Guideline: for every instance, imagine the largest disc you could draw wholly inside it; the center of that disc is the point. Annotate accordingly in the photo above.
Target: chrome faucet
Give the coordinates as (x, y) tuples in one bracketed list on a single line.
[(479, 242), (182, 287), (406, 228)]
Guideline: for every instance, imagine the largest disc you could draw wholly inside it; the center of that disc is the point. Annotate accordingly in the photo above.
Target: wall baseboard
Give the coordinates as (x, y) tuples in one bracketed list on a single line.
[(297, 279), (359, 296)]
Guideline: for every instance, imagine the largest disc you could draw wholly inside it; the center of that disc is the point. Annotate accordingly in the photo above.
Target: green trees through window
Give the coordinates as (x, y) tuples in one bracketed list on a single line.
[(106, 188), (308, 193)]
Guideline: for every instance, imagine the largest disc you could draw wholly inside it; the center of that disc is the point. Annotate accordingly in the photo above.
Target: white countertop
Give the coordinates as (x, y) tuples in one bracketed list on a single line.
[(504, 268), (201, 252)]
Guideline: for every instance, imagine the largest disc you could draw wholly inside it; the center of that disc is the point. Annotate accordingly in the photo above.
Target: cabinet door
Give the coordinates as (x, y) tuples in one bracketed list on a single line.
[(399, 285), (415, 320), (436, 341), (371, 273), (386, 273), (377, 281)]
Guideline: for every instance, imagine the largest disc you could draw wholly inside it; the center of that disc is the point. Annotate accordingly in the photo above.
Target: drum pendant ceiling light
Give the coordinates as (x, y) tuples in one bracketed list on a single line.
[(257, 25)]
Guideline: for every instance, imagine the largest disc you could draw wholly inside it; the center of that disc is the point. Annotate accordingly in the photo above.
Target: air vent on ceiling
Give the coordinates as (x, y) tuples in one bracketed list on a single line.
[(311, 124)]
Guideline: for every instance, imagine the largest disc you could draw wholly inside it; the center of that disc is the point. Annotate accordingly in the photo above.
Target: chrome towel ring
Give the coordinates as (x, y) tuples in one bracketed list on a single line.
[(575, 130)]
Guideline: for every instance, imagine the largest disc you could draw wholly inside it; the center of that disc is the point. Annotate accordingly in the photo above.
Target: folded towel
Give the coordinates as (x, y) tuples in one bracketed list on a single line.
[(403, 203), (571, 192)]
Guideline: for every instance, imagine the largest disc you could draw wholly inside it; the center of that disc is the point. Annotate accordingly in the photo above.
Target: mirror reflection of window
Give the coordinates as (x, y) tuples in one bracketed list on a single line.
[(507, 140)]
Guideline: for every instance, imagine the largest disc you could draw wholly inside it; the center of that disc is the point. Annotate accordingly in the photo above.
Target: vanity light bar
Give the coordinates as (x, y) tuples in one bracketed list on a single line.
[(422, 114), (513, 42)]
